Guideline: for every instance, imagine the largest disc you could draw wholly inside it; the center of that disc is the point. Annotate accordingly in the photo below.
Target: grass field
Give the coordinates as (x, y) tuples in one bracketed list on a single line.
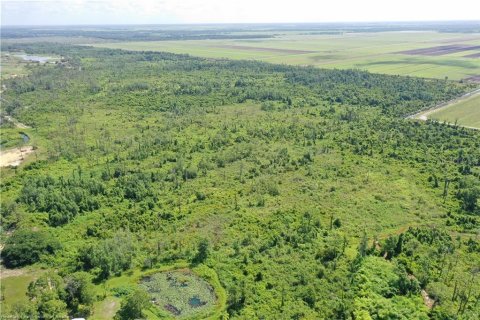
[(382, 52), (465, 112), (14, 287), (12, 66)]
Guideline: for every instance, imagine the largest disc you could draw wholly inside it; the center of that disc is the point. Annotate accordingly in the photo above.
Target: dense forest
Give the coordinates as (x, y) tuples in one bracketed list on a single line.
[(306, 192)]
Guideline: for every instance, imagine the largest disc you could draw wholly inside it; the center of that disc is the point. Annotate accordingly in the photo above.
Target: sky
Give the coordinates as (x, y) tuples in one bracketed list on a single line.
[(77, 12)]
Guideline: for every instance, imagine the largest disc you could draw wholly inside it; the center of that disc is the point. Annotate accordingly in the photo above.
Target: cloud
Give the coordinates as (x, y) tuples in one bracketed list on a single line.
[(45, 12), (234, 11)]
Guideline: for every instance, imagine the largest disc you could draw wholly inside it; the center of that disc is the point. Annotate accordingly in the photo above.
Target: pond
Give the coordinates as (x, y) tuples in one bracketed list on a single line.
[(33, 58), (180, 293), (195, 302), (25, 137)]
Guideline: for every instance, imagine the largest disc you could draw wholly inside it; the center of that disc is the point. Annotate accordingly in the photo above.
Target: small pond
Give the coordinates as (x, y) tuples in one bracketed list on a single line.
[(33, 58), (180, 293), (25, 137)]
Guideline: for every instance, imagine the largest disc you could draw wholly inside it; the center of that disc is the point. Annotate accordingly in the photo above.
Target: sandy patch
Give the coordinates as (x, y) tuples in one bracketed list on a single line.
[(429, 302), (14, 157)]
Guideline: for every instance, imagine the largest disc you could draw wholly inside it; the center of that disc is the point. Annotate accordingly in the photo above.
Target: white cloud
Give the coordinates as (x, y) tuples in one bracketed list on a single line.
[(224, 11)]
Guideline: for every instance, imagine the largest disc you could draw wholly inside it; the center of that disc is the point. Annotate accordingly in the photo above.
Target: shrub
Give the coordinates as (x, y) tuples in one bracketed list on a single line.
[(110, 256), (26, 247), (133, 306)]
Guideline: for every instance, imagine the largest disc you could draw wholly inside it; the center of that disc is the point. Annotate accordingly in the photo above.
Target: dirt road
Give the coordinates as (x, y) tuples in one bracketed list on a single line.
[(423, 115)]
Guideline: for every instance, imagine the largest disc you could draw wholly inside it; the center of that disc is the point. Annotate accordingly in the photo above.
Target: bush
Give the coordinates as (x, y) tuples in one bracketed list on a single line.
[(26, 247), (133, 306), (200, 196), (123, 291), (48, 293), (80, 293), (110, 256), (469, 194)]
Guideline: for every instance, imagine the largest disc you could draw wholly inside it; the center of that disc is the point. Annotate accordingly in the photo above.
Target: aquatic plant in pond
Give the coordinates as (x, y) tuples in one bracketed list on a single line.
[(181, 293)]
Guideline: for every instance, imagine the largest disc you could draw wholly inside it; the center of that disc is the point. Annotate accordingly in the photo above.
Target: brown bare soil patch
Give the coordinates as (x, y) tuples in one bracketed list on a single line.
[(13, 157), (440, 50), (262, 49), (473, 79)]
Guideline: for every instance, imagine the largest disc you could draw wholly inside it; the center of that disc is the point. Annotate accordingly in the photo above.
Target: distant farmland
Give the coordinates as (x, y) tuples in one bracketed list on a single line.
[(424, 54)]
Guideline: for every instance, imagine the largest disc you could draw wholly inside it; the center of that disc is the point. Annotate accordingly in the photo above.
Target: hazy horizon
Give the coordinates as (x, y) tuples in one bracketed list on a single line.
[(241, 23), (191, 12)]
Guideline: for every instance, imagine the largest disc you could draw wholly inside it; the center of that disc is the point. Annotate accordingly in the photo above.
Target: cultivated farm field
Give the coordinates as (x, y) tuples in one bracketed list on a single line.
[(422, 54)]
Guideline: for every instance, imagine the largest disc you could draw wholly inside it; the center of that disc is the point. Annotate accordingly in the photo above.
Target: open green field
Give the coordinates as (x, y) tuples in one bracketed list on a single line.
[(465, 112), (14, 285), (375, 52), (11, 66)]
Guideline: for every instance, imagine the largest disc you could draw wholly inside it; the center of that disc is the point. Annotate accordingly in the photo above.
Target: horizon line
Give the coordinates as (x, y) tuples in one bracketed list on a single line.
[(241, 23)]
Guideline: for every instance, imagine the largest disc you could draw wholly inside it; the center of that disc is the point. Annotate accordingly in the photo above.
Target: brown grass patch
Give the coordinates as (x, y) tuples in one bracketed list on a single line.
[(440, 50), (473, 55)]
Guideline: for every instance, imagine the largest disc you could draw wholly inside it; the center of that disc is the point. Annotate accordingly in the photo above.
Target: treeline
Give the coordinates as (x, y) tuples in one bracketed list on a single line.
[(129, 35), (159, 33)]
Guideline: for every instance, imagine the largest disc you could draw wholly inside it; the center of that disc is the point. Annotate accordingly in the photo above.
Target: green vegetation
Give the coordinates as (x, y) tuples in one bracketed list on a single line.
[(179, 293), (25, 247), (14, 286), (292, 192), (12, 66), (133, 306), (109, 256), (465, 112)]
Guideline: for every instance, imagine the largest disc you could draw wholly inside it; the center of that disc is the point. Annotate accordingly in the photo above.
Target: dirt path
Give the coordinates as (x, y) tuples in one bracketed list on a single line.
[(423, 115), (16, 123), (13, 157), (429, 302), (6, 273)]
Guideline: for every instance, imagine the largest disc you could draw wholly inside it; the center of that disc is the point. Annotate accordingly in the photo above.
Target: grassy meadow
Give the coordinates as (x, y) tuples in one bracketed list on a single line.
[(376, 52), (465, 112), (12, 66)]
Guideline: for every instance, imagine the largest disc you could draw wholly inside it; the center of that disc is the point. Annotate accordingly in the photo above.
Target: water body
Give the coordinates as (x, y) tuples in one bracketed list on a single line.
[(41, 59), (25, 137), (195, 302)]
